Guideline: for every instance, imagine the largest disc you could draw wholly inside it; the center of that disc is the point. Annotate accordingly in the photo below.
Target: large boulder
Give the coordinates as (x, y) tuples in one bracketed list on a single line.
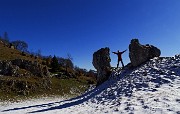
[(101, 62), (139, 54)]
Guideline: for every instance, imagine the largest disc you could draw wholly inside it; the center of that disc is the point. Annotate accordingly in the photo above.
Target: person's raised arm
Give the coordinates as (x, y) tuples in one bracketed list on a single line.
[(114, 52), (124, 51)]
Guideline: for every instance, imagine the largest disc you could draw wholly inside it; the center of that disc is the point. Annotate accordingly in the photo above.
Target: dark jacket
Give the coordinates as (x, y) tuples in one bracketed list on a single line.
[(119, 54)]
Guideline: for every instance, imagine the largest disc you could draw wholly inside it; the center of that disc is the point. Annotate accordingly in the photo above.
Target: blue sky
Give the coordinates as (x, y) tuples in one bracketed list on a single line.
[(80, 27)]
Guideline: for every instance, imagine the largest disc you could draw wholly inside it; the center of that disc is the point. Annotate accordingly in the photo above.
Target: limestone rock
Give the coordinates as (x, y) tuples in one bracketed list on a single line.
[(101, 62), (11, 68), (34, 67), (139, 54), (6, 68)]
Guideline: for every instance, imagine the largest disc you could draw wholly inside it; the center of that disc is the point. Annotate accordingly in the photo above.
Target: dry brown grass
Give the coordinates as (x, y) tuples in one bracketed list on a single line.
[(7, 53)]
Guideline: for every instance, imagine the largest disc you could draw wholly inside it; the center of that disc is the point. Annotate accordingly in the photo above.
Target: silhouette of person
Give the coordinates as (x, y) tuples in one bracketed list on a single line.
[(119, 54)]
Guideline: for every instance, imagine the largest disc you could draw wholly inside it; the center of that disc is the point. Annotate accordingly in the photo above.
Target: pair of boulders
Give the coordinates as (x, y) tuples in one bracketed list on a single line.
[(138, 54)]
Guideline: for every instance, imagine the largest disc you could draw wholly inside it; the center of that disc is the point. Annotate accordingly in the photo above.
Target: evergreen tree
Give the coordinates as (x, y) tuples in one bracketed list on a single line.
[(54, 64)]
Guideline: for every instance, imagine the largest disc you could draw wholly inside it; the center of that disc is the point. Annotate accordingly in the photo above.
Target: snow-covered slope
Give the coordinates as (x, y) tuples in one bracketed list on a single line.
[(153, 87)]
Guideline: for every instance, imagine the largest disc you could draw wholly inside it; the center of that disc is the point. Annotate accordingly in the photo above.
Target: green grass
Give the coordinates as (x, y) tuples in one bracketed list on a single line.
[(65, 86), (59, 87)]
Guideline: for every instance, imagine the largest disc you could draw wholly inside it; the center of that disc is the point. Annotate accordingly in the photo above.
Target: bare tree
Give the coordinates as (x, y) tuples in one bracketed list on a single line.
[(69, 57), (20, 45), (69, 63), (38, 53)]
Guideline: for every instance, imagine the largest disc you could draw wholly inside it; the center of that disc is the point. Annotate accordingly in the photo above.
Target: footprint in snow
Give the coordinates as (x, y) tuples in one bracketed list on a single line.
[(145, 107), (142, 102), (178, 100)]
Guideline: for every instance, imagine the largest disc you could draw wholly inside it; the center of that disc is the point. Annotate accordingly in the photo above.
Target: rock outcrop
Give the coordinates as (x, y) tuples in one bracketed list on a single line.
[(34, 67), (101, 62), (15, 67), (139, 54), (7, 68), (23, 68)]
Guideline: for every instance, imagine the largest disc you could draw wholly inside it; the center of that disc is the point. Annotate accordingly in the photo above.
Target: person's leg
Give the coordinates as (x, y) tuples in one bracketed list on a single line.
[(122, 63), (118, 64)]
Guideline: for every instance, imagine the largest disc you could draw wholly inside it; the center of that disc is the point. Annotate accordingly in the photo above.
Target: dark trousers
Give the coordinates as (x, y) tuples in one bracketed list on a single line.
[(121, 63)]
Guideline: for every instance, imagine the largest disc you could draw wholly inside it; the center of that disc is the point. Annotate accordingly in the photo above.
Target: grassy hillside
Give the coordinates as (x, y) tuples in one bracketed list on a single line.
[(16, 88), (7, 53)]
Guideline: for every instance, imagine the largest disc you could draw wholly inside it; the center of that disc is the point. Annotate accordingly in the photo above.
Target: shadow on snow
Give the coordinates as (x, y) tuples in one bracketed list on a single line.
[(63, 104)]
